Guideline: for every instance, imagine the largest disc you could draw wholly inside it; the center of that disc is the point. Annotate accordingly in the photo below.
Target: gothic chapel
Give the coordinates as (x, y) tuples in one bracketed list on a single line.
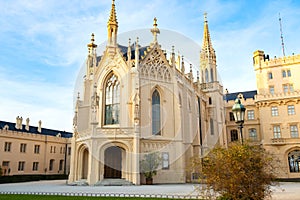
[(137, 101)]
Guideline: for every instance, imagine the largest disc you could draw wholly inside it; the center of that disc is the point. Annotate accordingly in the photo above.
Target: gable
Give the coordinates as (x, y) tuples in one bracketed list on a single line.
[(155, 66)]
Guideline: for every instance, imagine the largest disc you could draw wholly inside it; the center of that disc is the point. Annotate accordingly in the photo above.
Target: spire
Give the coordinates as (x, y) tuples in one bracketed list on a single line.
[(206, 45), (112, 26), (207, 56), (155, 31)]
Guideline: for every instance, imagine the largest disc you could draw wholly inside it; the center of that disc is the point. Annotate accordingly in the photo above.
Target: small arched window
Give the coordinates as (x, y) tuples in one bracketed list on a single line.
[(211, 75), (156, 113), (112, 100), (206, 76)]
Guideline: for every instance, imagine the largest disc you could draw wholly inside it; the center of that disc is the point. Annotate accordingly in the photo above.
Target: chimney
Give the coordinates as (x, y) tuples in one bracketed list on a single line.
[(40, 127), (21, 123), (27, 124), (17, 122)]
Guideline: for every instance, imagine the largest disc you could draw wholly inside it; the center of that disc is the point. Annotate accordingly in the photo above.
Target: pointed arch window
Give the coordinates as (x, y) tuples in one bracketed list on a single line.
[(112, 100), (206, 76), (156, 113), (211, 75)]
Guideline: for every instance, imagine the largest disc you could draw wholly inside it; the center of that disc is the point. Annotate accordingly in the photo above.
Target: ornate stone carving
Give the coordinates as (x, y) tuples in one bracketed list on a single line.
[(155, 67)]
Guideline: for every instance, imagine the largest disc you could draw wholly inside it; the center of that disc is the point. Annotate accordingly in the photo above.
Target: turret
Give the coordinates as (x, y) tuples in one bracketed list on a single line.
[(112, 27), (92, 58)]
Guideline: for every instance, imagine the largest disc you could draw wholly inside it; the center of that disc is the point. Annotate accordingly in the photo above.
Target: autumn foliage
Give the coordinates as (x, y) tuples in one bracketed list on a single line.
[(238, 172)]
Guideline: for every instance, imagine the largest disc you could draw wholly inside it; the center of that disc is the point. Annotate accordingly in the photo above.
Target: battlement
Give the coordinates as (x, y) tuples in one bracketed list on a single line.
[(286, 60), (262, 60)]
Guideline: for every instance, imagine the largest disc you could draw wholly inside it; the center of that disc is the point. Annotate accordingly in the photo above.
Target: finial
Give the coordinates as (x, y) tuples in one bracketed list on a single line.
[(155, 22), (191, 68), (92, 45), (129, 42), (78, 95), (173, 50), (197, 75), (205, 17), (155, 30)]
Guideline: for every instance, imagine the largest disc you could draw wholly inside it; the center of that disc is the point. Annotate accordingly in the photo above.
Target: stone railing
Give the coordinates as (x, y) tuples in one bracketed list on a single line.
[(278, 141)]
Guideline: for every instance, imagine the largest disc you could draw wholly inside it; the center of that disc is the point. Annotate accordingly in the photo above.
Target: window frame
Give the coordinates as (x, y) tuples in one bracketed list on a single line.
[(156, 112), (294, 131), (7, 146), (276, 131), (291, 110), (111, 100), (274, 111), (165, 160), (250, 115)]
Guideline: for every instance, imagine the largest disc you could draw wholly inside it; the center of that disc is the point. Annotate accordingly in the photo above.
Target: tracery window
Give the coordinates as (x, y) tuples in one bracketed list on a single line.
[(112, 100), (156, 113), (294, 161)]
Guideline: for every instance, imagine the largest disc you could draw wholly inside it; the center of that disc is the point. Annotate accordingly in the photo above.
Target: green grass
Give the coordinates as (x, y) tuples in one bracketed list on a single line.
[(40, 197)]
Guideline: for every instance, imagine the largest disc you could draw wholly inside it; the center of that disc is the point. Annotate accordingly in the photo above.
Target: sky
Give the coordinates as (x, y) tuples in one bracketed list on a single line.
[(43, 44)]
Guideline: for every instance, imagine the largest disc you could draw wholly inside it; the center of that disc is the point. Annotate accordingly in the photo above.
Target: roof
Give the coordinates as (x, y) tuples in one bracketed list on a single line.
[(34, 130), (124, 50), (246, 95)]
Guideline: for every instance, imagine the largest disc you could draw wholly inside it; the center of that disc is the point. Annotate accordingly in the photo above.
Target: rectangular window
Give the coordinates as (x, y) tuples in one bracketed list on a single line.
[(21, 166), (285, 88), (294, 131), (276, 131), (231, 116), (291, 110), (283, 73), (5, 164), (51, 149), (61, 150), (291, 88), (36, 149), (165, 160), (51, 164), (274, 111), (35, 166), (271, 90), (69, 151), (270, 75), (23, 147), (250, 114), (7, 146), (252, 134), (61, 165), (289, 73)]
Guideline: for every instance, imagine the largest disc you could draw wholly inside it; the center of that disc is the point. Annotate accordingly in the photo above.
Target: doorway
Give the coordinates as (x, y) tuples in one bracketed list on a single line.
[(113, 162)]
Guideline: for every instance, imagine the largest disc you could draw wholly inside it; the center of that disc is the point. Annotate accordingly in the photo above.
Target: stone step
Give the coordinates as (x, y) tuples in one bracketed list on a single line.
[(113, 182)]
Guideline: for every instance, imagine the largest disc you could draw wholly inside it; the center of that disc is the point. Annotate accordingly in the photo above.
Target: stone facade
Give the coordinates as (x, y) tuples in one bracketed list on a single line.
[(274, 111), (138, 100), (30, 150)]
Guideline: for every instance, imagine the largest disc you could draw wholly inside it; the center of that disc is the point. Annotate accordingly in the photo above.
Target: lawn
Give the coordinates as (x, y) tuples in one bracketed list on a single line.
[(51, 197)]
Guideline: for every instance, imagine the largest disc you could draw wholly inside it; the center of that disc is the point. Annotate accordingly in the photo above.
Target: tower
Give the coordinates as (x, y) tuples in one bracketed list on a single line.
[(213, 89)]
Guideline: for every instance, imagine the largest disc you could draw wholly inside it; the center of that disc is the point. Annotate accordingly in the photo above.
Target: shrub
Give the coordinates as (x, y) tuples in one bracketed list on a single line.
[(238, 172)]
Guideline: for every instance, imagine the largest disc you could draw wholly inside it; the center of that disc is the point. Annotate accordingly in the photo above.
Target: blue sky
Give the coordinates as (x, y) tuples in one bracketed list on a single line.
[(43, 44)]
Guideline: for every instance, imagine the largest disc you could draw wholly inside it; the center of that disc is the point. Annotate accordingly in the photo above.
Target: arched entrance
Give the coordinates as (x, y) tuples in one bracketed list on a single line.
[(294, 161), (85, 163), (113, 162)]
